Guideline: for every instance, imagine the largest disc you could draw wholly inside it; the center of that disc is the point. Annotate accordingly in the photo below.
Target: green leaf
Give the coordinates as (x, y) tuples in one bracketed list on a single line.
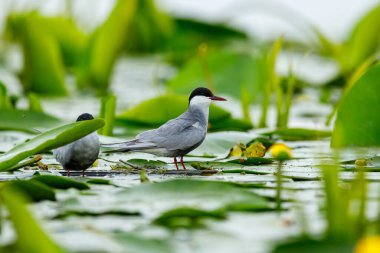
[(14, 119), (156, 111), (358, 122), (107, 112), (30, 237), (36, 191), (59, 182), (251, 161), (99, 181), (49, 140), (313, 246), (298, 134), (205, 195), (231, 73), (363, 41), (43, 70), (105, 45), (185, 217), (34, 103), (139, 244)]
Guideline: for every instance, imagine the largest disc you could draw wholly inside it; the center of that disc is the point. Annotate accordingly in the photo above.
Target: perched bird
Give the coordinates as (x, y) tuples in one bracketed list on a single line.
[(178, 136), (80, 154)]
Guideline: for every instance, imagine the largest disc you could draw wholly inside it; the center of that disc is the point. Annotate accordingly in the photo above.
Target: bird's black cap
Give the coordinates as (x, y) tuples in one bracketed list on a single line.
[(85, 116), (201, 91)]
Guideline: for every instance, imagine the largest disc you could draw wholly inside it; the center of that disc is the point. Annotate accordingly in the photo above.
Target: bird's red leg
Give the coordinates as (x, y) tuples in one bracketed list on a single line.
[(183, 165), (175, 162), (83, 173)]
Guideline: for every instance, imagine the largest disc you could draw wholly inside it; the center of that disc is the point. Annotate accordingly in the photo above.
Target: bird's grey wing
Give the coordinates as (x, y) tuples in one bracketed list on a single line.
[(177, 134)]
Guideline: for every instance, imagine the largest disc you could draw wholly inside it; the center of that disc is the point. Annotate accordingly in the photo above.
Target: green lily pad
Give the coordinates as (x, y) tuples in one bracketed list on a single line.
[(59, 182), (36, 191), (252, 161), (185, 217), (138, 244), (358, 122), (99, 181), (314, 246), (15, 119), (49, 140), (298, 134)]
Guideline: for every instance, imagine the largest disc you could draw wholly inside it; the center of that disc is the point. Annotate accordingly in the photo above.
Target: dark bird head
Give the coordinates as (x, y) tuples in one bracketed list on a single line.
[(202, 93), (85, 116)]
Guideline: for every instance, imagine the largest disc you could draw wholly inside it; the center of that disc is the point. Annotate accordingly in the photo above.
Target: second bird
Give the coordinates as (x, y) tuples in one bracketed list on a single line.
[(178, 136)]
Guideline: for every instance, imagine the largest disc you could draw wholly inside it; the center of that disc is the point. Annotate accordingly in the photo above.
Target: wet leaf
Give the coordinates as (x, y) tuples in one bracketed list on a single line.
[(147, 164), (59, 182), (36, 191), (313, 246), (15, 119), (357, 122), (137, 244), (298, 134), (251, 161), (99, 181), (185, 217), (152, 199), (30, 237), (48, 140)]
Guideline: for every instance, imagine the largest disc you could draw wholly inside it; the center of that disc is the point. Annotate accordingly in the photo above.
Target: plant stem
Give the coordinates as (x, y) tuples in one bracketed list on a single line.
[(279, 187), (107, 112)]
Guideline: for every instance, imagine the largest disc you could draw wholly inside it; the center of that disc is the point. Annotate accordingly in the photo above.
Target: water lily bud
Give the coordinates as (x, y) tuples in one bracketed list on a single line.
[(361, 162), (281, 152)]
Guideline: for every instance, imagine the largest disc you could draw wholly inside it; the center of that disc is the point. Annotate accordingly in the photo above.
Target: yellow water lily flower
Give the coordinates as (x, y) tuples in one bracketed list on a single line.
[(369, 244), (280, 151)]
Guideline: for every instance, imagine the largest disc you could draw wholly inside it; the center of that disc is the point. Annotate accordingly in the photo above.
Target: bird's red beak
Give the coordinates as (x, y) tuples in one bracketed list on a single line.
[(216, 98)]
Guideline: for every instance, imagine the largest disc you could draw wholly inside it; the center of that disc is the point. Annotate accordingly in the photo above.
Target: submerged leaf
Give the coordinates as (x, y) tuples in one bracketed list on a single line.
[(49, 140)]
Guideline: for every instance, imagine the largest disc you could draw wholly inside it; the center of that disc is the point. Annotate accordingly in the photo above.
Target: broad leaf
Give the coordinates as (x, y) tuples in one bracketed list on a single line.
[(298, 134), (30, 237), (26, 121), (231, 73), (49, 140), (59, 182), (358, 120)]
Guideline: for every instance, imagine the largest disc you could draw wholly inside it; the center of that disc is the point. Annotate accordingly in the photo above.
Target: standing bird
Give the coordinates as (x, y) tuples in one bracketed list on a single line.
[(178, 136), (80, 154)]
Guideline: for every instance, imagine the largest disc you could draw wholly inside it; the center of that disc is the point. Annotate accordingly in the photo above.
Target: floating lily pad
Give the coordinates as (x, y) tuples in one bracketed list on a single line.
[(313, 246), (59, 182), (36, 191), (252, 161), (187, 217)]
